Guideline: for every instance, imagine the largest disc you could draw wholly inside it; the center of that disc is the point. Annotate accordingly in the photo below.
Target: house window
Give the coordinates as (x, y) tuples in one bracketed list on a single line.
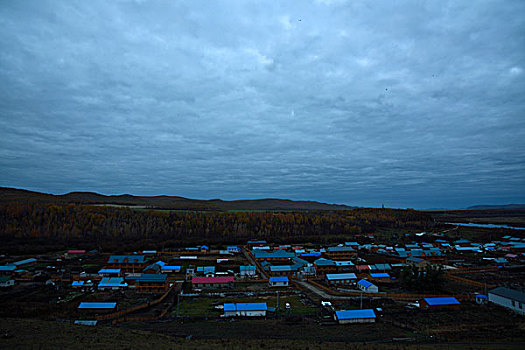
[(521, 306), (513, 303)]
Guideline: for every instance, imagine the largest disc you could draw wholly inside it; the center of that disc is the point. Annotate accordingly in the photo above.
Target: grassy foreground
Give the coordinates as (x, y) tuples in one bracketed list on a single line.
[(37, 334)]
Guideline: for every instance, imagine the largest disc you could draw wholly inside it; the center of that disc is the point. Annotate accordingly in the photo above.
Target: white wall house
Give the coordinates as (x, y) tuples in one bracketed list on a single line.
[(367, 287), (509, 298), (280, 281), (245, 309)]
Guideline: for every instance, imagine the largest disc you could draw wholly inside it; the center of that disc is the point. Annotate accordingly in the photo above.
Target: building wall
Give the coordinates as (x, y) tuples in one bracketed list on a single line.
[(357, 320), (279, 284), (505, 302)]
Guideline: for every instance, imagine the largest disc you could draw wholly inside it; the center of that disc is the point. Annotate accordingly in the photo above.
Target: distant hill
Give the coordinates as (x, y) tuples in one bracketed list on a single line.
[(506, 206), (8, 195)]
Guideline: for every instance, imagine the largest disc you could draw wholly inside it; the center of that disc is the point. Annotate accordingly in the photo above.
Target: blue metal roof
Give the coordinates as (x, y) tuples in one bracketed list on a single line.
[(86, 322), (7, 268), (122, 259), (261, 254), (442, 301), (229, 307), (23, 262), (324, 262), (109, 271), (380, 275), (112, 282), (95, 305), (251, 306), (355, 314), (340, 249), (150, 277), (279, 279), (365, 283), (282, 268), (341, 276), (170, 268), (481, 296), (77, 283), (247, 268), (245, 307)]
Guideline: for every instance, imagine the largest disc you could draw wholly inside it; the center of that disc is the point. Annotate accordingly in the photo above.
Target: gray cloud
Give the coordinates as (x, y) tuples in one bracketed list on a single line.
[(414, 104)]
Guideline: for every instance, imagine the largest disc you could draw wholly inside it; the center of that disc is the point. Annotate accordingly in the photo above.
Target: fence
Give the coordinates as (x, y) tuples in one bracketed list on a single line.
[(135, 308), (395, 296)]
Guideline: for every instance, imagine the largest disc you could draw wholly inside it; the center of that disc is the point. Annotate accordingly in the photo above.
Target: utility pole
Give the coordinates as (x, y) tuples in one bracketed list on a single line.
[(178, 303), (361, 303), (277, 308)]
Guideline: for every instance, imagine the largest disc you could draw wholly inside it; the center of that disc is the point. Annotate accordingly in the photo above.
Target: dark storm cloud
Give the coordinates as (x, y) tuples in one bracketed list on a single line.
[(408, 103)]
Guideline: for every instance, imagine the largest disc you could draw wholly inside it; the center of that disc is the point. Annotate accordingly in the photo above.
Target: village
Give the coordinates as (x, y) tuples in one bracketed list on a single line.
[(359, 282)]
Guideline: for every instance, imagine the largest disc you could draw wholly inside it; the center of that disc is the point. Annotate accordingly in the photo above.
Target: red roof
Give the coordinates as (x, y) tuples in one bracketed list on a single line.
[(362, 267), (73, 251), (203, 280)]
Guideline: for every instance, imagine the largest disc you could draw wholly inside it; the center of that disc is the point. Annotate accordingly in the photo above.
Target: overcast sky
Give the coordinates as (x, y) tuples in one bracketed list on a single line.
[(407, 103)]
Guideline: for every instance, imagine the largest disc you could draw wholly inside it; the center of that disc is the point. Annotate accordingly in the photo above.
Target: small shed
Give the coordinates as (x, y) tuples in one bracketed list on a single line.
[(355, 316), (367, 286), (481, 299), (279, 281), (96, 306), (439, 303)]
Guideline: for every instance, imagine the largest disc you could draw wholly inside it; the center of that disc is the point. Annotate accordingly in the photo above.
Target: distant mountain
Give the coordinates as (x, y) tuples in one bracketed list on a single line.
[(8, 195), (505, 206)]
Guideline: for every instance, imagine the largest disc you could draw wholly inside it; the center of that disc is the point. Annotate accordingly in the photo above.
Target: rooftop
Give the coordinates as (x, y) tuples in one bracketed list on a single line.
[(355, 314), (509, 293)]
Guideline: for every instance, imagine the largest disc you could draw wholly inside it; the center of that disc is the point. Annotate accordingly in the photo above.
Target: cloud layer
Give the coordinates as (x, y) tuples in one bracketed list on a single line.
[(411, 104)]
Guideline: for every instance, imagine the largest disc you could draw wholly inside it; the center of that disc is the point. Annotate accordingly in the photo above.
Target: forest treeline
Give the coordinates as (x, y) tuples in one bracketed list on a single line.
[(107, 227)]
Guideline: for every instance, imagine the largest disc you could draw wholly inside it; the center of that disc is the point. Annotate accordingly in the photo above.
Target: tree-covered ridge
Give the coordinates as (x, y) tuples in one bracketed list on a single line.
[(95, 223)]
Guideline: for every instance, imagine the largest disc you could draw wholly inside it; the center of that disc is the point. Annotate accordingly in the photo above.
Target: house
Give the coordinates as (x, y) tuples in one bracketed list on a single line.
[(75, 252), (112, 283), (109, 272), (413, 261), (170, 269), (153, 268), (367, 287), (247, 270), (233, 249), (324, 266), (275, 256), (355, 316), (510, 298), (7, 270), (381, 276), (86, 322), (127, 263), (208, 271), (284, 270), (340, 253), (23, 263), (245, 309), (96, 306), (6, 281), (481, 299), (151, 283), (77, 284), (344, 265), (281, 281), (212, 282), (439, 303), (341, 278)]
